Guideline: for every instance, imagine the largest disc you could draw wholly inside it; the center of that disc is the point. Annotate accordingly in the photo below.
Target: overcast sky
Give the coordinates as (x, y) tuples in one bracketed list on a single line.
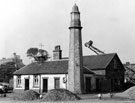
[(110, 24)]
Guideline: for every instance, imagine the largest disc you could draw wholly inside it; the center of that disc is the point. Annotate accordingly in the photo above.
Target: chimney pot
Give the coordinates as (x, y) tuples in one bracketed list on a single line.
[(127, 63)]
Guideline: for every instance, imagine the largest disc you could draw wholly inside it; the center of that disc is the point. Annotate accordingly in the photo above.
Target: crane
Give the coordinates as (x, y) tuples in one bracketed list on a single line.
[(94, 49)]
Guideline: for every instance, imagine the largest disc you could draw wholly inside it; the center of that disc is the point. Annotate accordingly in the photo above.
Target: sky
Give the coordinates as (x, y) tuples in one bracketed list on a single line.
[(110, 24)]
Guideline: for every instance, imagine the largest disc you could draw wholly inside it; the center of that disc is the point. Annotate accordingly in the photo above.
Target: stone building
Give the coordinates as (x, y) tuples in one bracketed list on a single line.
[(78, 73), (129, 74), (16, 59)]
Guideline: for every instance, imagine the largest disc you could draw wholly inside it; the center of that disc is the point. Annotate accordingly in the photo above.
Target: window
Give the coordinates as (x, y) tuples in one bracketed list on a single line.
[(18, 81), (35, 80), (57, 83)]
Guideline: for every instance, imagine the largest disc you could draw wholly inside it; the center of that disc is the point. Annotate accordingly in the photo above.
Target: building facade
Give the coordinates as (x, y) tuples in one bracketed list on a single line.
[(98, 70), (78, 73)]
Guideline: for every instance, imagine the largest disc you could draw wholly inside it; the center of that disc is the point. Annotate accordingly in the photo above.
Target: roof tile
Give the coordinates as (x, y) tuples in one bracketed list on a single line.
[(61, 66)]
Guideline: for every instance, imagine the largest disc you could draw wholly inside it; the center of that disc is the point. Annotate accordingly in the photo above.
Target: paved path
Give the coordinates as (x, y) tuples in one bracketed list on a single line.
[(7, 100), (87, 98)]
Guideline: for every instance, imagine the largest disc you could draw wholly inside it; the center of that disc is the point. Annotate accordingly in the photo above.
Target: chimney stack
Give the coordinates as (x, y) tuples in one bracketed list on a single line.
[(127, 63), (75, 64), (57, 53)]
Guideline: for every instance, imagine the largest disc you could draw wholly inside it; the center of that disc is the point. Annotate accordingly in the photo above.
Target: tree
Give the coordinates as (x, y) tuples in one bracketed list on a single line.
[(6, 71), (39, 55)]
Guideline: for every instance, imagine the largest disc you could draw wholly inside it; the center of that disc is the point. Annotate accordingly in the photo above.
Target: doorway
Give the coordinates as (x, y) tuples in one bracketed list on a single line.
[(45, 85), (88, 84), (26, 84), (56, 83), (98, 85)]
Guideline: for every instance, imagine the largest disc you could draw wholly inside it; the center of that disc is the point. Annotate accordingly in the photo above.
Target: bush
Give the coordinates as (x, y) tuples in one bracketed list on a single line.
[(27, 95), (60, 95)]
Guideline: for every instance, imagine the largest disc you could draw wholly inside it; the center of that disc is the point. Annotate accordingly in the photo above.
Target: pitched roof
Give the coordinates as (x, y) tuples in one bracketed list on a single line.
[(49, 67), (98, 61), (87, 70), (61, 66), (130, 71), (131, 67)]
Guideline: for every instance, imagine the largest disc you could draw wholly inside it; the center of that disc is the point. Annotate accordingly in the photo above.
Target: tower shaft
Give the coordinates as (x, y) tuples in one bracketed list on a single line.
[(75, 66)]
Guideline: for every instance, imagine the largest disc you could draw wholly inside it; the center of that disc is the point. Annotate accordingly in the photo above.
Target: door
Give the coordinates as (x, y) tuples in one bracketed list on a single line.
[(97, 85), (88, 84), (57, 83), (45, 85), (26, 84)]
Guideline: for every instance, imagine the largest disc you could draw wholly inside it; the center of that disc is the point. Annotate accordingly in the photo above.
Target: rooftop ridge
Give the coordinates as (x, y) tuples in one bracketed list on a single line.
[(99, 55)]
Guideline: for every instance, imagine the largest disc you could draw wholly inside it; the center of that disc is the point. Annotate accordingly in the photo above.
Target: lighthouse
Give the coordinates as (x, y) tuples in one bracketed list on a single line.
[(75, 65)]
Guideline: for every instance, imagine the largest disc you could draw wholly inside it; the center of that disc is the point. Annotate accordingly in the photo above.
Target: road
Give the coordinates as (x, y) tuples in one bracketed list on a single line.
[(86, 98), (8, 100)]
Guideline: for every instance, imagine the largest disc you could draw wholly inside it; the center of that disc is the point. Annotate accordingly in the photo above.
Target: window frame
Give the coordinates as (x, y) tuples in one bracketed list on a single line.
[(35, 81), (18, 81)]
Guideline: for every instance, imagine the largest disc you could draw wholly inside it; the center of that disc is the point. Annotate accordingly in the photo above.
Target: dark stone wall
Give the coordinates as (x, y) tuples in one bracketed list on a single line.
[(115, 73)]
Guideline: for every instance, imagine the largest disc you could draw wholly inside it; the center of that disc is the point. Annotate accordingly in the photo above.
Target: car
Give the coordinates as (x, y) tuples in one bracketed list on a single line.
[(2, 88)]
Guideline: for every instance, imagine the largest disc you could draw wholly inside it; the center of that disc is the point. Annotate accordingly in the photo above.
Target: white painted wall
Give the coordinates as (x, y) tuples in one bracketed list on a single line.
[(50, 78), (23, 77)]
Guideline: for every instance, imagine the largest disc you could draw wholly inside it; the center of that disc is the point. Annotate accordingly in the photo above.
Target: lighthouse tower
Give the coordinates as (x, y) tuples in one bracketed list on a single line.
[(75, 66)]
